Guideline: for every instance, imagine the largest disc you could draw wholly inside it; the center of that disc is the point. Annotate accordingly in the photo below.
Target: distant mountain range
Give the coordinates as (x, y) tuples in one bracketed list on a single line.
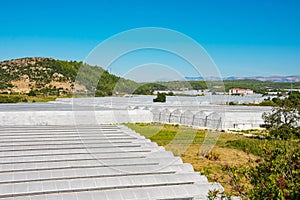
[(294, 78)]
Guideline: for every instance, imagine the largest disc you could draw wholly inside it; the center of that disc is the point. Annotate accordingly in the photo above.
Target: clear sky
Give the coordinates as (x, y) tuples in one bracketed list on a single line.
[(244, 37)]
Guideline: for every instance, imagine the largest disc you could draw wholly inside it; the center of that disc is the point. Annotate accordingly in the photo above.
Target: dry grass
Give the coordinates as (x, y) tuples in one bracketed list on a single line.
[(213, 168)]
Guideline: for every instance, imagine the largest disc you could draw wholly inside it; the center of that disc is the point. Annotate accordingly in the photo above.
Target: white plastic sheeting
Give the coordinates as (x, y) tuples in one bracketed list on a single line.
[(111, 110), (92, 162)]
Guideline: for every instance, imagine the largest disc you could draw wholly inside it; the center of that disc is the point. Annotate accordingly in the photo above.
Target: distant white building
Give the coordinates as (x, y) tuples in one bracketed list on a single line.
[(240, 91)]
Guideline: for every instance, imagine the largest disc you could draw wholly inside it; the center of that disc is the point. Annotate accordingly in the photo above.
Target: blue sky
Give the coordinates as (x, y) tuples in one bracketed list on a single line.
[(243, 37)]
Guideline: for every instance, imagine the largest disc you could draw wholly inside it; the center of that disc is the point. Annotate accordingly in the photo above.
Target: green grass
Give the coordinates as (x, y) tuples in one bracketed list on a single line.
[(43, 98), (251, 145), (166, 134), (15, 98), (12, 99), (257, 146)]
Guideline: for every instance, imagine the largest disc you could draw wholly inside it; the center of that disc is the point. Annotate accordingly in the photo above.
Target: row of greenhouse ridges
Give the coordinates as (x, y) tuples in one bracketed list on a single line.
[(92, 162)]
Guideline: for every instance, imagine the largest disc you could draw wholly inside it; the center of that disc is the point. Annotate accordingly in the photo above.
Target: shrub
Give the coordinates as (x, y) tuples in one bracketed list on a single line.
[(31, 93), (212, 156), (275, 176), (278, 177), (161, 97)]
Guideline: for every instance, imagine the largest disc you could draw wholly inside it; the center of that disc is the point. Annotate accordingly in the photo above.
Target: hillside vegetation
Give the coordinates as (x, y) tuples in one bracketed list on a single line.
[(50, 77)]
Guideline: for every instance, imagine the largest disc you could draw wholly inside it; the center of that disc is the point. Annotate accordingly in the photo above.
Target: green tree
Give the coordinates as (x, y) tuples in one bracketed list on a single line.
[(161, 97), (283, 120)]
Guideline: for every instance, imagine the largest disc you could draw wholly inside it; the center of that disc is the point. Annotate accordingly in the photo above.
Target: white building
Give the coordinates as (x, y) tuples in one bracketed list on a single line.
[(240, 91)]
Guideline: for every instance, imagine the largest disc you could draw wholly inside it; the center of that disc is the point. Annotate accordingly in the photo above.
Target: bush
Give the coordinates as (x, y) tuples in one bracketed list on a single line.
[(161, 97), (285, 132), (31, 93), (24, 100), (267, 103), (170, 94), (278, 177), (212, 156), (275, 176)]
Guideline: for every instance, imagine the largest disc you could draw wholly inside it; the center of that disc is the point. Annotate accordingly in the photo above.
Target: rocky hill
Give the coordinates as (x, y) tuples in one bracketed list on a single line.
[(48, 76)]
